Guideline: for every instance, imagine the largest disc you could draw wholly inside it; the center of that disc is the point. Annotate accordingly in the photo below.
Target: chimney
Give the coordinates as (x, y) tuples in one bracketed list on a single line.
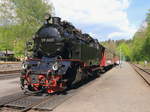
[(56, 20)]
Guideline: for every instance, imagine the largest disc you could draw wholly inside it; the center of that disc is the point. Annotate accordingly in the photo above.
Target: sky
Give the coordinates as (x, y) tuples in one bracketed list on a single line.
[(104, 19)]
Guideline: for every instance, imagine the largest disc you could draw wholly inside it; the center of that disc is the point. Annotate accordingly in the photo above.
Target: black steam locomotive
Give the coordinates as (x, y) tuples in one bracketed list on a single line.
[(59, 56)]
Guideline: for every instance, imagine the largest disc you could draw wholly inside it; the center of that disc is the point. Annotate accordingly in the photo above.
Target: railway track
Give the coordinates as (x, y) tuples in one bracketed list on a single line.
[(147, 70), (9, 72), (24, 103), (33, 103), (9, 76), (10, 67), (21, 102), (144, 73)]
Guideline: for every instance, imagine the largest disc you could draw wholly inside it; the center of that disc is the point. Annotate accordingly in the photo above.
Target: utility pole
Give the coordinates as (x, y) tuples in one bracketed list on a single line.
[(6, 55), (120, 57)]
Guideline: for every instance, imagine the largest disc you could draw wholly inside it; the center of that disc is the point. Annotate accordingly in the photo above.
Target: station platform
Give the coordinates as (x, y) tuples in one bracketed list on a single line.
[(118, 90)]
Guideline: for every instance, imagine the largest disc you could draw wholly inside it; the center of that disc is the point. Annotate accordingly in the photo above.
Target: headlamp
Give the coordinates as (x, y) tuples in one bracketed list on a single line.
[(55, 66), (24, 66)]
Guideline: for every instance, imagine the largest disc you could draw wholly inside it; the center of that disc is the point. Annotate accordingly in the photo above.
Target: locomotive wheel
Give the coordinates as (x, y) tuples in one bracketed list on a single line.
[(29, 88), (78, 75), (70, 78), (71, 75), (75, 75)]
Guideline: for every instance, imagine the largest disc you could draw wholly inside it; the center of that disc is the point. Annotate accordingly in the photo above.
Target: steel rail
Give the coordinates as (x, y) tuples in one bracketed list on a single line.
[(138, 69), (13, 100), (29, 107), (5, 76), (144, 70)]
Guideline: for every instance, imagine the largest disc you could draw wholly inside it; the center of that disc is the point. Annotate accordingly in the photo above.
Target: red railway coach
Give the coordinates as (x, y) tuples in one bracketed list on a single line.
[(109, 59)]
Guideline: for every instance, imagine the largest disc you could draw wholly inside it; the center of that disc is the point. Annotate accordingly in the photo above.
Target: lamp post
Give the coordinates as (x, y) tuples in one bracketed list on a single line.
[(120, 57)]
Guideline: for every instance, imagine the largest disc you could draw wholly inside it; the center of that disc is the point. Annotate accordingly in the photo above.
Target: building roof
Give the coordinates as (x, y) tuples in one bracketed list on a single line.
[(7, 52)]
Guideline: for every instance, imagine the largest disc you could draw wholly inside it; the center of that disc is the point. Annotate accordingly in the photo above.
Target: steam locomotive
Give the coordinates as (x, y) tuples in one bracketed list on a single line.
[(59, 56)]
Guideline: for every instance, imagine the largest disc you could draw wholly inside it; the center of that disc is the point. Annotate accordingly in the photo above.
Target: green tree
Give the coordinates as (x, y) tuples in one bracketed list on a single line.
[(146, 49), (137, 46), (28, 16), (125, 50), (146, 45)]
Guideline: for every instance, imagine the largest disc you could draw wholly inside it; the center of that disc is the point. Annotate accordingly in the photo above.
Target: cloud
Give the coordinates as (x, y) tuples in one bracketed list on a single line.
[(118, 35), (127, 33), (107, 12)]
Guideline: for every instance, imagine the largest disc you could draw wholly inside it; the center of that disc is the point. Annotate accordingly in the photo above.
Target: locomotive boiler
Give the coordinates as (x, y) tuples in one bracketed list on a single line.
[(58, 56)]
